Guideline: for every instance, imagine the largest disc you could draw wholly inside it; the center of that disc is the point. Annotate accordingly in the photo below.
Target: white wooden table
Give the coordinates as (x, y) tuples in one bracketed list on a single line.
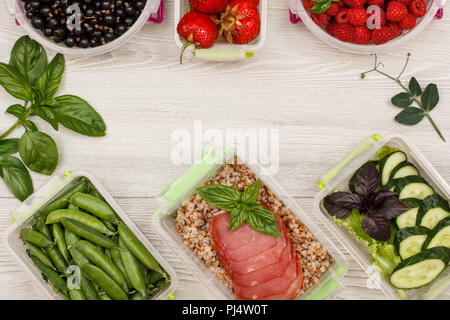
[(309, 91)]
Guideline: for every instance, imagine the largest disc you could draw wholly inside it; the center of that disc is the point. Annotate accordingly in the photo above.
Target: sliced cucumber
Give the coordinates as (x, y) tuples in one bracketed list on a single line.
[(404, 169), (388, 163), (409, 241), (440, 235), (434, 208), (412, 187), (409, 218), (420, 269)]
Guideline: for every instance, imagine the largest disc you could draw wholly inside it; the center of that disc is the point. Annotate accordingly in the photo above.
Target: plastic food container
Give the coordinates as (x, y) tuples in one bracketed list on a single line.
[(298, 13), (222, 51), (153, 12), (184, 187), (57, 186), (338, 179)]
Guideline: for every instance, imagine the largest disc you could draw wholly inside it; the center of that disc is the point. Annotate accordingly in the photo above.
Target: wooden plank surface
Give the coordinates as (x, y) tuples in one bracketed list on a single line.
[(307, 90)]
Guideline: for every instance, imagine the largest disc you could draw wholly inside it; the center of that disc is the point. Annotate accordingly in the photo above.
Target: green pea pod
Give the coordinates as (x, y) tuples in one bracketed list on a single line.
[(71, 238), (72, 207), (153, 277), (104, 281), (43, 228), (94, 192), (35, 237), (88, 233), (104, 296), (93, 205), (58, 235), (65, 295), (133, 268), (63, 200), (77, 294), (111, 226), (98, 258), (38, 253), (52, 276), (78, 258), (88, 288), (115, 255), (81, 217), (136, 247), (57, 259), (137, 296)]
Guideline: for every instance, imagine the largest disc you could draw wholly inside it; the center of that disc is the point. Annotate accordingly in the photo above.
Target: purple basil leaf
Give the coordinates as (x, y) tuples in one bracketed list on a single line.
[(376, 199), (340, 204), (367, 179), (377, 226), (391, 207)]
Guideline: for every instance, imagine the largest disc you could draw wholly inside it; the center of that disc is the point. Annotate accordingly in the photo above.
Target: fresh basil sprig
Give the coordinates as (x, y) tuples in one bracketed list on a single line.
[(242, 207), (30, 77), (322, 6), (429, 98)]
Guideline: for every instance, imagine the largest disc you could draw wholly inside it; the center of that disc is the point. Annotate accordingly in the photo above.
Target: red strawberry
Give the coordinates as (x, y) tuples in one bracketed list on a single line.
[(209, 6), (355, 3), (408, 23), (334, 9), (382, 35), (417, 8), (255, 2), (198, 29), (241, 22), (308, 4), (342, 17), (379, 3), (362, 35), (320, 19), (357, 16), (396, 11), (395, 28), (405, 2), (344, 32)]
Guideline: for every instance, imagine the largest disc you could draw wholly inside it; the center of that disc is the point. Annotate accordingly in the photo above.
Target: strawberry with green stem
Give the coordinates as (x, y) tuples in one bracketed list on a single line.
[(429, 98)]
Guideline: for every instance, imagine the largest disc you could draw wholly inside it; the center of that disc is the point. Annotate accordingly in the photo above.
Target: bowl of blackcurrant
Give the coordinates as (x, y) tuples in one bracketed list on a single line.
[(83, 27)]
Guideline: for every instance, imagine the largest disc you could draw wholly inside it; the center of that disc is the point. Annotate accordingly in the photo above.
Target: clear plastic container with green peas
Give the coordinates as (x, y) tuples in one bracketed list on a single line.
[(100, 263)]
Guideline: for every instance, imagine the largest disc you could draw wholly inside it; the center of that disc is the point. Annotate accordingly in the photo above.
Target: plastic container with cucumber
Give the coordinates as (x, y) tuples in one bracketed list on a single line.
[(413, 262)]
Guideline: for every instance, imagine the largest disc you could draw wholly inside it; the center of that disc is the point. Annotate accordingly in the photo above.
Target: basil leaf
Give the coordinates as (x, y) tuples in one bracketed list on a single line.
[(340, 204), (48, 82), (47, 114), (410, 116), (430, 97), (414, 87), (237, 217), (39, 152), (29, 58), (391, 208), (76, 114), (30, 125), (402, 100), (220, 196), (263, 220), (250, 195), (377, 226), (14, 83), (16, 110), (16, 177), (9, 146), (367, 179), (321, 7)]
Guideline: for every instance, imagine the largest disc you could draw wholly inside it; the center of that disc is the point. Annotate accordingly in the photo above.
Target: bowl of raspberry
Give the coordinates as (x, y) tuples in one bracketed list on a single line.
[(82, 27), (365, 26)]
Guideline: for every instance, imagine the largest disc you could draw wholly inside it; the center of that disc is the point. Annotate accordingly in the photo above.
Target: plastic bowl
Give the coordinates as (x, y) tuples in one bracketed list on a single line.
[(296, 7), (17, 10), (223, 51)]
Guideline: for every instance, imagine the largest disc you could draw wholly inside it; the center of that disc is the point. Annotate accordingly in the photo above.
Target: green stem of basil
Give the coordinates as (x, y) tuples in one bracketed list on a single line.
[(7, 132), (397, 80)]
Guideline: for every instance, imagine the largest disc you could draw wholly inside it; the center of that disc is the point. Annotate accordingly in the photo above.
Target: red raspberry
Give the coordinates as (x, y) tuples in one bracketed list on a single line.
[(344, 32), (342, 17), (341, 3), (334, 9), (379, 3), (331, 28), (362, 35), (408, 23), (405, 2), (382, 35), (372, 18), (417, 8), (395, 29), (320, 19), (396, 11), (308, 4), (357, 16), (355, 3)]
